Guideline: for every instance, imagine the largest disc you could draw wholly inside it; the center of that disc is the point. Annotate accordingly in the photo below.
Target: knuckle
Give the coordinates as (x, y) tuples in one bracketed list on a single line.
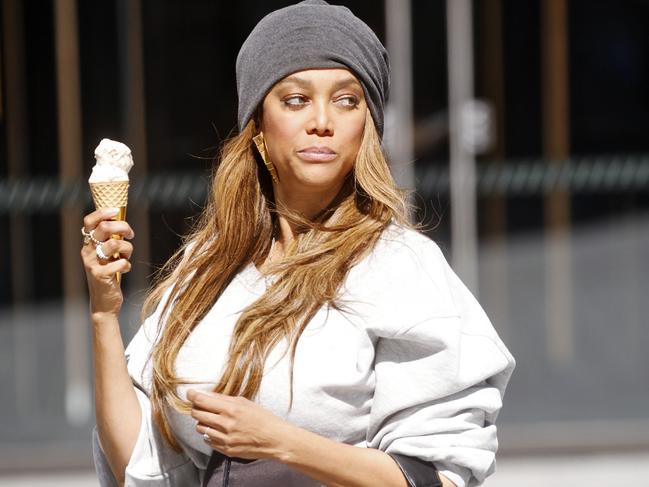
[(125, 247), (230, 425)]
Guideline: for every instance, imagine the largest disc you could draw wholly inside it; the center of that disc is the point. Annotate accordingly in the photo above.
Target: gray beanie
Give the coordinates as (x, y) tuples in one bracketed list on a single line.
[(309, 35)]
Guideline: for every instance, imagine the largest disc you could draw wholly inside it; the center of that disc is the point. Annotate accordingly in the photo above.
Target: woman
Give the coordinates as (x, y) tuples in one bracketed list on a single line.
[(303, 334)]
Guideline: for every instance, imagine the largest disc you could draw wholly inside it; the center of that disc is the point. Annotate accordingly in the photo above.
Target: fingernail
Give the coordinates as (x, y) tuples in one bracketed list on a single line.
[(111, 211)]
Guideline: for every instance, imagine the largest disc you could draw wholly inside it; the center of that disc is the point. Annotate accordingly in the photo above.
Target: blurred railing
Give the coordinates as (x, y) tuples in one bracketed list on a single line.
[(38, 195), (523, 177)]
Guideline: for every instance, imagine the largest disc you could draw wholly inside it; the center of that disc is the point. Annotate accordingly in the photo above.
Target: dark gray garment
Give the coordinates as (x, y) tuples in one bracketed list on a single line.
[(310, 35), (236, 472)]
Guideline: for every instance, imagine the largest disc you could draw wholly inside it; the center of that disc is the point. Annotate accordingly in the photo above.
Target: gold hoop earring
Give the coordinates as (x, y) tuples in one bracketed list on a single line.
[(260, 142)]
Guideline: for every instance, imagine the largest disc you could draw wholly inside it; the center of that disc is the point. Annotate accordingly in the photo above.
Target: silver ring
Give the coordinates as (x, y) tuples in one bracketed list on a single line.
[(86, 236), (206, 437), (100, 252), (91, 236)]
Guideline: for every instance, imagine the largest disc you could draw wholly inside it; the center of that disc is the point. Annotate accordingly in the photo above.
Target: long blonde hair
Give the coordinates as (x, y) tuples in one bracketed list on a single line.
[(236, 229)]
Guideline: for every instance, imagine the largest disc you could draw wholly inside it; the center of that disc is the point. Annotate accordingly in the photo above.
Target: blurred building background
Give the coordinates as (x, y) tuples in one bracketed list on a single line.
[(523, 127)]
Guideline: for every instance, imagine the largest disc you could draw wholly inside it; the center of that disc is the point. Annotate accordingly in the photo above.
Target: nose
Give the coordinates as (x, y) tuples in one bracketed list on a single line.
[(321, 122)]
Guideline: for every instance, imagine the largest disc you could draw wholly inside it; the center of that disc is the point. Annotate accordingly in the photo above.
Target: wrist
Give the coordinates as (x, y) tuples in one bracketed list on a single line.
[(287, 440), (102, 319), (297, 446)]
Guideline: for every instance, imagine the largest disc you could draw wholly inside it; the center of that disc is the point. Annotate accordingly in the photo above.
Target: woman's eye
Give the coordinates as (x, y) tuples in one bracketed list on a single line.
[(295, 101), (348, 101)]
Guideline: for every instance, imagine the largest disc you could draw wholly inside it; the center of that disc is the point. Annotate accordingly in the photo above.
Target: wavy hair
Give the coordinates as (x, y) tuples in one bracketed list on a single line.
[(236, 229)]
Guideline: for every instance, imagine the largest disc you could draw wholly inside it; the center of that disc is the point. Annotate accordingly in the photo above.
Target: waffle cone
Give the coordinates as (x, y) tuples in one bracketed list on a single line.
[(110, 194)]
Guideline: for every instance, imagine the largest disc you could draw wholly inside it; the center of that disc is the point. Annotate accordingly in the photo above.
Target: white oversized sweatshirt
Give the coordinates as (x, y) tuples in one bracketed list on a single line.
[(412, 366)]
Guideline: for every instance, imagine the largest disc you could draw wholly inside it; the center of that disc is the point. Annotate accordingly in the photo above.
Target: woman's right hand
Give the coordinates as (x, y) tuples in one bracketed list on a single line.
[(105, 292)]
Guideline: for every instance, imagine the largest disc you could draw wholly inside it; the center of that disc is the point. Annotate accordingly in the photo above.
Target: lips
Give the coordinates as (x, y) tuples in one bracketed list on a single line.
[(317, 154)]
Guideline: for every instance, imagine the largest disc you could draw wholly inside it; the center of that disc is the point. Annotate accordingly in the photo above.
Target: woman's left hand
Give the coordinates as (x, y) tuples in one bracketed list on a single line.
[(236, 426)]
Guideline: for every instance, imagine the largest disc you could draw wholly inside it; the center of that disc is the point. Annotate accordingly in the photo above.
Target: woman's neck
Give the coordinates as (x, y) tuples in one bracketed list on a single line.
[(308, 205)]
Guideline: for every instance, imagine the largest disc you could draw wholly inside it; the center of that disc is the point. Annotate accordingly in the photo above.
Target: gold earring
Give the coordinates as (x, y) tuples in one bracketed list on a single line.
[(260, 142)]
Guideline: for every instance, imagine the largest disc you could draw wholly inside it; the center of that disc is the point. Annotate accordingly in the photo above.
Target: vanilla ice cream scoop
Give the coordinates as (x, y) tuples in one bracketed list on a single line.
[(114, 161)]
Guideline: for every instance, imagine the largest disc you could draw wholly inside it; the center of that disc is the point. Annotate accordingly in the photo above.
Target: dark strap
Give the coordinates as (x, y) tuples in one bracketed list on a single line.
[(223, 471), (417, 472)]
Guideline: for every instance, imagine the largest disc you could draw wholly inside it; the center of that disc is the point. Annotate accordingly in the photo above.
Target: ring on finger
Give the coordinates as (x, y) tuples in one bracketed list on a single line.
[(87, 236), (206, 436), (91, 235), (100, 252)]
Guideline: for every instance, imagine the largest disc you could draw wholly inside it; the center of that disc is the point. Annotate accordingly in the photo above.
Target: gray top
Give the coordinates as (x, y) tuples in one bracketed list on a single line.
[(411, 365)]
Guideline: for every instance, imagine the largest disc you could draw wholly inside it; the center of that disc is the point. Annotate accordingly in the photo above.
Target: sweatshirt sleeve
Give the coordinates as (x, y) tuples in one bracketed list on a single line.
[(440, 379), (153, 462)]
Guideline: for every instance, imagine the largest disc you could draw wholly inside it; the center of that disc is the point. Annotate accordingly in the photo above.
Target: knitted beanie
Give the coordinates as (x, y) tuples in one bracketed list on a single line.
[(311, 35)]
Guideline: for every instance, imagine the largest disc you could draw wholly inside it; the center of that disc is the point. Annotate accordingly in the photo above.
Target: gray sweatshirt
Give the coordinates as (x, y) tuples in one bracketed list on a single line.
[(412, 366)]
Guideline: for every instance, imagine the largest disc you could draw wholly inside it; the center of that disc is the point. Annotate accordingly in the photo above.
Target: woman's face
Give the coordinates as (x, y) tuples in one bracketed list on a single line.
[(313, 122)]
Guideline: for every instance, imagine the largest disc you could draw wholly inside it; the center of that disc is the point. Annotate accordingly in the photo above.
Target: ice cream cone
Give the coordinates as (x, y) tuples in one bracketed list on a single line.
[(111, 194), (109, 179)]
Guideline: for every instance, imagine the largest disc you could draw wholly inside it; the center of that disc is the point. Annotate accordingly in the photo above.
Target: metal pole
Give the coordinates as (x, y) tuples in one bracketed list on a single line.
[(78, 403), (20, 235), (399, 131), (493, 268), (131, 59), (560, 339), (462, 161)]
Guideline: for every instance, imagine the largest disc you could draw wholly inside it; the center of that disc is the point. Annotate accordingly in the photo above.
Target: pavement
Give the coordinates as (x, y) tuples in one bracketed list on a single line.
[(576, 470), (599, 470)]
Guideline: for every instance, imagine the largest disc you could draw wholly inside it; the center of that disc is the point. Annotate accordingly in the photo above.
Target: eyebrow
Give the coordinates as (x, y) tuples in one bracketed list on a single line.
[(305, 83)]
